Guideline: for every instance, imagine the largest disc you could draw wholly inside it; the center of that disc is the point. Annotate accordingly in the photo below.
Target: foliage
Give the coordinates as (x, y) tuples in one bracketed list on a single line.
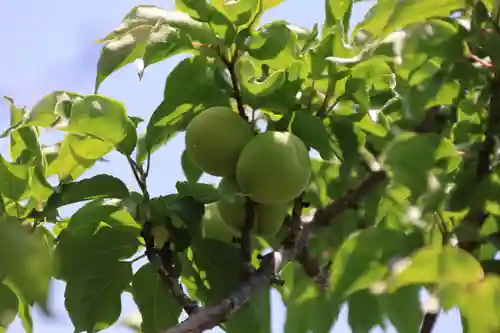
[(401, 117)]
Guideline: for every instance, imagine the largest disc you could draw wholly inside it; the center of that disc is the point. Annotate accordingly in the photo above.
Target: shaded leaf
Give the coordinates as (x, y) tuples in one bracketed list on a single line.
[(254, 316), (313, 132), (204, 193), (15, 179), (221, 272), (411, 157), (159, 310), (25, 260), (8, 306), (364, 312), (97, 187), (363, 259), (191, 171), (403, 309), (103, 230), (93, 300), (53, 108)]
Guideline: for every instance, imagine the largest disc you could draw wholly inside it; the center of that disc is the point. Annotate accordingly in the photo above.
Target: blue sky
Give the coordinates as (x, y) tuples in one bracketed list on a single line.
[(49, 45)]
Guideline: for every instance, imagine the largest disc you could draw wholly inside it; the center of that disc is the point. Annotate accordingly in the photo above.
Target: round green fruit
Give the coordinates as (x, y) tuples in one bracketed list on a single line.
[(268, 219), (215, 139), (274, 167), (214, 227)]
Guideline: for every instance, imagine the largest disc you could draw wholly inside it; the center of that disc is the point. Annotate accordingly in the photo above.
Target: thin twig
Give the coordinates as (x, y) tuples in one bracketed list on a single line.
[(230, 65)]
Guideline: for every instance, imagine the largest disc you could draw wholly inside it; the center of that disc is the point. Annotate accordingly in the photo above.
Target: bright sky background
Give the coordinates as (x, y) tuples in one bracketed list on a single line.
[(49, 45)]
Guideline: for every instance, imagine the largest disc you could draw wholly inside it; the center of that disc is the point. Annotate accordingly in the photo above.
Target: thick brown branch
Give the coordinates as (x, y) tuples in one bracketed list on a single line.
[(165, 271)]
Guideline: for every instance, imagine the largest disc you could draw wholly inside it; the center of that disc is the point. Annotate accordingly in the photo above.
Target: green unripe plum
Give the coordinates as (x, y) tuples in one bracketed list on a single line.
[(268, 219), (274, 167), (214, 227), (215, 139)]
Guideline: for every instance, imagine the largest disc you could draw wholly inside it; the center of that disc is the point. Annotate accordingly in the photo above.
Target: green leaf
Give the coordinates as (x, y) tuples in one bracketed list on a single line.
[(24, 145), (439, 265), (254, 316), (305, 304), (190, 212), (205, 193), (189, 89), (204, 11), (390, 15), (52, 109), (336, 10), (97, 187), (176, 33), (254, 85), (191, 171), (121, 51), (273, 45), (221, 271), (411, 157), (25, 260), (239, 12), (93, 299), (313, 132), (478, 303), (363, 259), (158, 308), (15, 180), (24, 314), (8, 306), (106, 119), (403, 309), (76, 154), (364, 312), (100, 229)]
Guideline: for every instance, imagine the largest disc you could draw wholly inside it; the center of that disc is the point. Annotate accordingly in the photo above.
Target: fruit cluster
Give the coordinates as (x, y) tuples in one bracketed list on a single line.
[(271, 168)]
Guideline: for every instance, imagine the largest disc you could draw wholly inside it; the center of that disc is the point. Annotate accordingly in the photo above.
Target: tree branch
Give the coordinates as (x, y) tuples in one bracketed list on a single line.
[(161, 260), (476, 216), (246, 239), (272, 263), (165, 269)]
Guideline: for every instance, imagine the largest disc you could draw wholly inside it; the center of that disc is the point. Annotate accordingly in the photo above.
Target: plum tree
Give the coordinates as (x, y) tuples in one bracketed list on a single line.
[(274, 167), (215, 139), (268, 219)]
